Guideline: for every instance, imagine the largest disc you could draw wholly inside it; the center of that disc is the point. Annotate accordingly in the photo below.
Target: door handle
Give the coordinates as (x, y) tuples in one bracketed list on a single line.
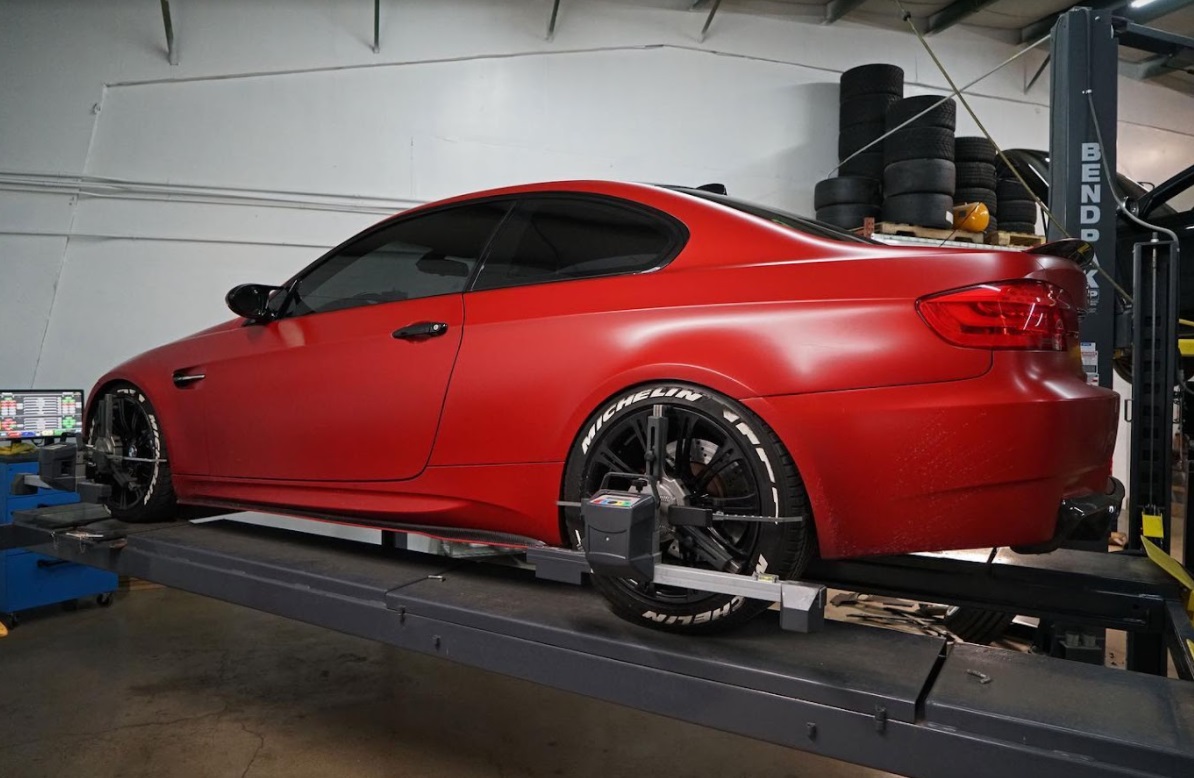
[(421, 330), (182, 378)]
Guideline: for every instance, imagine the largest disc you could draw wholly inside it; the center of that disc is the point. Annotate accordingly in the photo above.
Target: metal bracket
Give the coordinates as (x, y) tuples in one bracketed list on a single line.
[(551, 22), (709, 19), (376, 26), (168, 23), (802, 605)]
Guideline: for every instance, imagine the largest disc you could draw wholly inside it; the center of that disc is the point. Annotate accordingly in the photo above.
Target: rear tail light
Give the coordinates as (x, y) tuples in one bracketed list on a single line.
[(1020, 314)]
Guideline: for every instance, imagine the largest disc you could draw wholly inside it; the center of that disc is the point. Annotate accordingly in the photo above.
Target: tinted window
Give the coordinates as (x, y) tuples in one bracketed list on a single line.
[(556, 239), (418, 257)]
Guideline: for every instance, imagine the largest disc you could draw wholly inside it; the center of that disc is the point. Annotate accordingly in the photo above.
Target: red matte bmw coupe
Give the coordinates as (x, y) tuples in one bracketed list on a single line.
[(463, 367)]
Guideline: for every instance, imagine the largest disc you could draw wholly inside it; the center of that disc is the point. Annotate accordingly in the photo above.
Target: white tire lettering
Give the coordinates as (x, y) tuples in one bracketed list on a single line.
[(763, 456), (629, 400), (749, 433)]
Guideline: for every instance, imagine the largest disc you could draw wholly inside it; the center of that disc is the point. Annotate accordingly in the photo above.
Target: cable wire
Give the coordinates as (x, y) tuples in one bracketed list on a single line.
[(934, 106), (907, 17)]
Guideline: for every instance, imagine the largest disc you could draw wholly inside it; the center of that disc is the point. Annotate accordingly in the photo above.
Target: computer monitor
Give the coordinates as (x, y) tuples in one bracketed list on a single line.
[(40, 413)]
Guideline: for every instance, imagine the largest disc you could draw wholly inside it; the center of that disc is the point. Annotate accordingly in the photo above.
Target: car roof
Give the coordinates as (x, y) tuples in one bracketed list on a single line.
[(665, 198)]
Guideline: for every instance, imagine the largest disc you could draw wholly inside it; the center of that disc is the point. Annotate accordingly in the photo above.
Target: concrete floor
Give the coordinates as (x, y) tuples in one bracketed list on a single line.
[(170, 684)]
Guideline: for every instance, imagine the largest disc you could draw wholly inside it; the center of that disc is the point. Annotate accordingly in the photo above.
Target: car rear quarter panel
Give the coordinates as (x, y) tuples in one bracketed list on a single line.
[(537, 360)]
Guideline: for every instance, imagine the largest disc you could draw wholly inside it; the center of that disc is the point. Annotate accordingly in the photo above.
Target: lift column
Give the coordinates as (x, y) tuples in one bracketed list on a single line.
[(1085, 56)]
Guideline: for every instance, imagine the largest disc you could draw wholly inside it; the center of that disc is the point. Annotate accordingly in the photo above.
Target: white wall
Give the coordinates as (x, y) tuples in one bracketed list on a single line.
[(286, 101)]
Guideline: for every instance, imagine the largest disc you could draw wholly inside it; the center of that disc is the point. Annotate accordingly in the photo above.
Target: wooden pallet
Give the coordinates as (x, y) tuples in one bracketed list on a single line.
[(1024, 240), (928, 233)]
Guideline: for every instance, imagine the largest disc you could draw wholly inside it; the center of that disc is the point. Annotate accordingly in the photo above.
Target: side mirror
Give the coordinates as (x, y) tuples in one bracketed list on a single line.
[(251, 301)]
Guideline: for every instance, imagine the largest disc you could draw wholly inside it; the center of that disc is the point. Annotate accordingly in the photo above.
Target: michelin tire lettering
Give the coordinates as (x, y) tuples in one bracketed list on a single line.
[(676, 392)]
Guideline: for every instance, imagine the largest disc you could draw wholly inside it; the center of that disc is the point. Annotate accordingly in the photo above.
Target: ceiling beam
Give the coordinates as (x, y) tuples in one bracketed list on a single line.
[(839, 8), (1146, 68), (1159, 65), (955, 12), (1043, 25)]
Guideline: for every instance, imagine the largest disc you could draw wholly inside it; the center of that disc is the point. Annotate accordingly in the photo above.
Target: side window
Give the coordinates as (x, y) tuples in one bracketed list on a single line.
[(553, 239), (422, 256)]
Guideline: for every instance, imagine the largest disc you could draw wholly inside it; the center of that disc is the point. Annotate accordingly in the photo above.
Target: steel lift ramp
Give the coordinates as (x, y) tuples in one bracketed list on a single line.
[(906, 703)]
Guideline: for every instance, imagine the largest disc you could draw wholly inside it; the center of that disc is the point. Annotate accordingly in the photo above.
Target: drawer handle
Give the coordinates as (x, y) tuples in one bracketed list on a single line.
[(44, 563)]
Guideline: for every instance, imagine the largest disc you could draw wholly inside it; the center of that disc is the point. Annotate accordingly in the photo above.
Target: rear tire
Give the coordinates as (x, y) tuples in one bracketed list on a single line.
[(142, 492), (1012, 189), (925, 210), (868, 164), (871, 80), (940, 114), (978, 195), (919, 143), (722, 456), (847, 217), (936, 176), (857, 136), (976, 175), (867, 108), (846, 190), (974, 149), (1023, 211)]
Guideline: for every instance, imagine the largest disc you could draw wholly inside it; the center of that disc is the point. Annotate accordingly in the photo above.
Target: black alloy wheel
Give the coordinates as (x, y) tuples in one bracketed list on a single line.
[(131, 458), (719, 456)]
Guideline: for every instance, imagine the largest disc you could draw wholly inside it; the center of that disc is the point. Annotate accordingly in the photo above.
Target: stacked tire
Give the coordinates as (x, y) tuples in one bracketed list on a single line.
[(975, 159), (866, 94), (918, 162), (1017, 208), (846, 201)]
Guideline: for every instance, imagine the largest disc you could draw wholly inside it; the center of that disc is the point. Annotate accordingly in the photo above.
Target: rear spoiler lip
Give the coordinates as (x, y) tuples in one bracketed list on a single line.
[(1077, 251)]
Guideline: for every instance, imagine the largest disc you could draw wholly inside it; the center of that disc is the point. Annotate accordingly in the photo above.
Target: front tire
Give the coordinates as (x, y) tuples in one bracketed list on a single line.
[(142, 491), (719, 455)]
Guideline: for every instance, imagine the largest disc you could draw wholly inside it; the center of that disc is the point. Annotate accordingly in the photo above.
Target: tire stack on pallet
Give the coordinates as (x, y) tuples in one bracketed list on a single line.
[(975, 158), (866, 94), (1017, 209), (919, 172)]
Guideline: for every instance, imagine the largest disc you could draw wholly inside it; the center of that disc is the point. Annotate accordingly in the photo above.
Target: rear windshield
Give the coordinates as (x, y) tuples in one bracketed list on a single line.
[(782, 218)]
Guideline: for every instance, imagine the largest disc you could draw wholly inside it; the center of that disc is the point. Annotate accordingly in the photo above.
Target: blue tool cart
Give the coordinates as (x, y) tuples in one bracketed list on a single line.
[(29, 580)]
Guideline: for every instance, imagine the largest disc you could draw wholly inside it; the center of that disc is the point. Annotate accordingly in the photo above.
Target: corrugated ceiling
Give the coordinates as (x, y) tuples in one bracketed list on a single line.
[(1015, 19)]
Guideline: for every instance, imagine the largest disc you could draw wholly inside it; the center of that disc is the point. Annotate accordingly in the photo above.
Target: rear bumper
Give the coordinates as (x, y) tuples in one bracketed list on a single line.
[(963, 464), (1091, 513)]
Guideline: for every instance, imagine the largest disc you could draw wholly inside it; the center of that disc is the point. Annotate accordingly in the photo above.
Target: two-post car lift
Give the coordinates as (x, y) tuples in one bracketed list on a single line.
[(907, 703), (913, 704)]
